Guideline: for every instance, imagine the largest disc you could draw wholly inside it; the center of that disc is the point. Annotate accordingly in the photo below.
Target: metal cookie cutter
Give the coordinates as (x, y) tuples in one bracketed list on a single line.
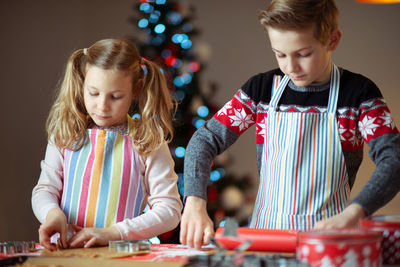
[(17, 247), (129, 246)]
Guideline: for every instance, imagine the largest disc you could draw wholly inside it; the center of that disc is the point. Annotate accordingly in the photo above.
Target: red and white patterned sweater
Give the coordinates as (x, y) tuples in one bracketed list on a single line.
[(362, 115)]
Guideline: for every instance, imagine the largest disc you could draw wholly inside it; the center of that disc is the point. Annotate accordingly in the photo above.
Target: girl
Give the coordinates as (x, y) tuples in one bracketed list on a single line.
[(102, 167)]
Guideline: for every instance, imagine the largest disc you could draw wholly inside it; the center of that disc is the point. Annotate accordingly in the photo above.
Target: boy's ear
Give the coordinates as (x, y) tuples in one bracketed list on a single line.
[(334, 39)]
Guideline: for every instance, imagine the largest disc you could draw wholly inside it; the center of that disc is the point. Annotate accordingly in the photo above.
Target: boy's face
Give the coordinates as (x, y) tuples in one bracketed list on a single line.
[(302, 57)]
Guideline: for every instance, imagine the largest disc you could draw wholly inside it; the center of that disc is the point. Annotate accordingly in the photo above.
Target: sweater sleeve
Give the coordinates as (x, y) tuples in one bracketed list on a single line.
[(206, 143), (160, 182), (46, 195), (220, 132), (377, 128), (384, 183)]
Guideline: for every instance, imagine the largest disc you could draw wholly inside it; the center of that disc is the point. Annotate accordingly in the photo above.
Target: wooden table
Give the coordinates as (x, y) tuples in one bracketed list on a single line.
[(90, 262), (165, 255)]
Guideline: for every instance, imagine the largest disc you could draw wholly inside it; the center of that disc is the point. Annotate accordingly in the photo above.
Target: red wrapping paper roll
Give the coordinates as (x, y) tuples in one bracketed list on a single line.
[(262, 239)]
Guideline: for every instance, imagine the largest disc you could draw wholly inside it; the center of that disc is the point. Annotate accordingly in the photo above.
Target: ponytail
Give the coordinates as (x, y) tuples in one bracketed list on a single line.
[(156, 108), (67, 121)]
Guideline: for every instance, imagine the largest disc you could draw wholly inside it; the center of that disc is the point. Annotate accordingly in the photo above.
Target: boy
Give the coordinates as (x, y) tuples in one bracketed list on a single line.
[(312, 118)]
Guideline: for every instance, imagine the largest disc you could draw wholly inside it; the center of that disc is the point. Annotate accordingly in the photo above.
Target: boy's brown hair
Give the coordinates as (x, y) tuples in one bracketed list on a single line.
[(300, 14)]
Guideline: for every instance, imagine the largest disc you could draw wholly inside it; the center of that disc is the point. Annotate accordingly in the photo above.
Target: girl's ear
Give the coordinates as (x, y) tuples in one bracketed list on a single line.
[(334, 39), (137, 89)]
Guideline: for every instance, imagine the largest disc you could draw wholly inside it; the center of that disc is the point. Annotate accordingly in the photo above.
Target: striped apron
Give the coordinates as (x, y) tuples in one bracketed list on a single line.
[(303, 176), (102, 184)]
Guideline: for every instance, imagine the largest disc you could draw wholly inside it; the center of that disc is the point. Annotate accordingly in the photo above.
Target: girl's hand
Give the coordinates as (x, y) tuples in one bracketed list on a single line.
[(56, 222), (196, 226), (89, 237), (349, 217)]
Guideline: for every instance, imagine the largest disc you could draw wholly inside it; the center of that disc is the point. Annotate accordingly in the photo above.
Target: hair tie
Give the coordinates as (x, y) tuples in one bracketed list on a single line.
[(143, 65), (85, 51)]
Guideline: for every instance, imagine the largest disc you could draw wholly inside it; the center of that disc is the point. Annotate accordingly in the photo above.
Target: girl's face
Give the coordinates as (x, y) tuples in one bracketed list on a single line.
[(302, 57), (107, 95)]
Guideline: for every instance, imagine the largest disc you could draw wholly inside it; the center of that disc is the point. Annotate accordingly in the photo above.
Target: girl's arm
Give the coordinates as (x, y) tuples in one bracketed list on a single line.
[(160, 182), (46, 197), (47, 193)]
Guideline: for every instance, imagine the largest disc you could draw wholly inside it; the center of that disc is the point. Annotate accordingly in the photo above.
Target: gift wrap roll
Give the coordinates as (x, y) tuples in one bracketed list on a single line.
[(261, 239)]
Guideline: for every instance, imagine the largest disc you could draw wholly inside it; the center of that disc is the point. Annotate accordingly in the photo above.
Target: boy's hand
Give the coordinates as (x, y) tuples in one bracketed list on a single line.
[(89, 237), (349, 217), (56, 222), (196, 226)]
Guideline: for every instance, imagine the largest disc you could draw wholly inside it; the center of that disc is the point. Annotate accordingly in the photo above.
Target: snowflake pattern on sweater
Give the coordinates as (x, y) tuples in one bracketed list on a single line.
[(373, 119)]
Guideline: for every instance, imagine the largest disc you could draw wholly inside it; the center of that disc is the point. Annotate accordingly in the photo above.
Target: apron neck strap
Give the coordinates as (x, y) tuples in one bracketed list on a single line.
[(334, 89), (277, 93), (279, 86)]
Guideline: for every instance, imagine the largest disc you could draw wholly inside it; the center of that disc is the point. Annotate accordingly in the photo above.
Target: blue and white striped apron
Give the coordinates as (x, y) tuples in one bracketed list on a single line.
[(303, 176)]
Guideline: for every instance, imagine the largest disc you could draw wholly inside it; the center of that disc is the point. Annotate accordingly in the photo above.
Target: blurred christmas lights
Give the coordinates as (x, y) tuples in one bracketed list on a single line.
[(203, 111), (143, 23), (180, 152), (159, 28)]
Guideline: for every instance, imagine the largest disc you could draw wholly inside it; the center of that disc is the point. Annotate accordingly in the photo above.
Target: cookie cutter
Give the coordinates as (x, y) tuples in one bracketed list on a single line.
[(17, 247), (129, 246)]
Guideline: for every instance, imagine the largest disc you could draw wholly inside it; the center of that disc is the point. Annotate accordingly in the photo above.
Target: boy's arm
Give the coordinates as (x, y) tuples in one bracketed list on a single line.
[(384, 183), (379, 190), (378, 129), (206, 143), (214, 137), (196, 226)]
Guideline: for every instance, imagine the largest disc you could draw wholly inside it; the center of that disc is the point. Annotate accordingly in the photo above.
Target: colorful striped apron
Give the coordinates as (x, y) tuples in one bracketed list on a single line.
[(303, 177), (102, 184)]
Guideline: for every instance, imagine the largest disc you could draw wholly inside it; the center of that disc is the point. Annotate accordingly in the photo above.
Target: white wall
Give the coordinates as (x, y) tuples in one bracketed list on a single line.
[(38, 36)]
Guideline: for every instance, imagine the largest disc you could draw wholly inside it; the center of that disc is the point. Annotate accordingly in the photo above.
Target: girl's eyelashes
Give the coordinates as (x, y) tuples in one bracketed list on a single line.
[(113, 97), (93, 93), (116, 97)]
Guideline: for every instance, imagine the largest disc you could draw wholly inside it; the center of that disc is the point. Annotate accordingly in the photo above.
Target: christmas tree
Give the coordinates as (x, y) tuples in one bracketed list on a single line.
[(166, 37)]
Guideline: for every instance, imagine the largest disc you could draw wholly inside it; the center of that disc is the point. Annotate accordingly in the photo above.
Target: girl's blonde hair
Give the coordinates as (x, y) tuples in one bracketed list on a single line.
[(68, 119), (300, 14)]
